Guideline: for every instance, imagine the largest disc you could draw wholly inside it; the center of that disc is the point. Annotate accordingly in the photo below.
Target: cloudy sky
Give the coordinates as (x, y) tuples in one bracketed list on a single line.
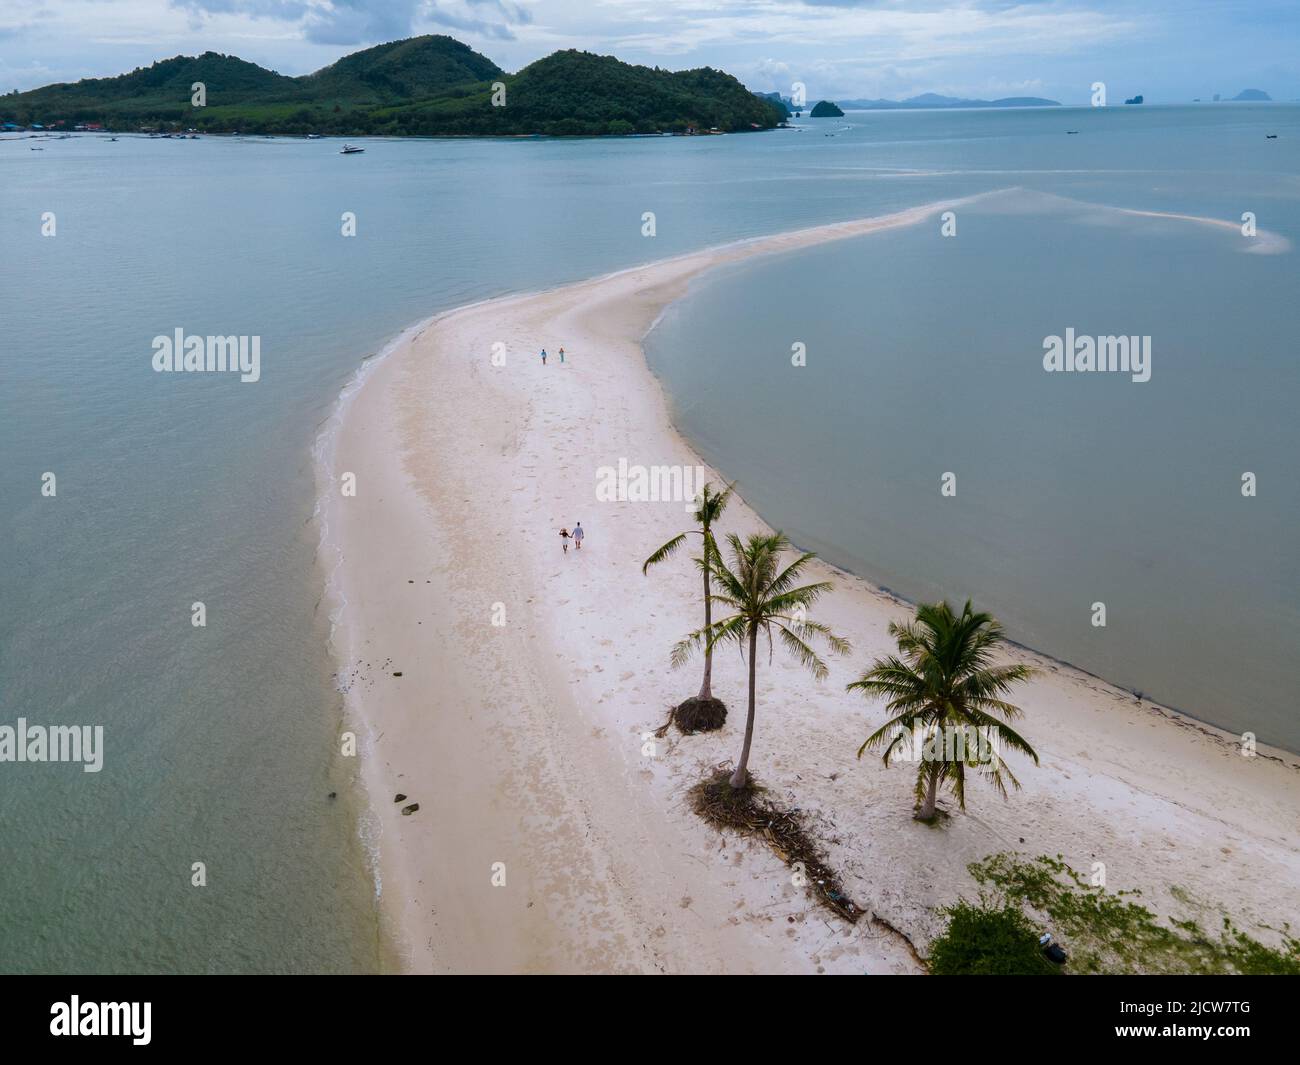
[(1169, 50)]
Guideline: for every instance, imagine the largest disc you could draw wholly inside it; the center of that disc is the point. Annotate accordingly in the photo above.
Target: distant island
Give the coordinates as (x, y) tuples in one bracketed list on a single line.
[(421, 86), (826, 109), (1134, 99), (1253, 94), (783, 104), (934, 100)]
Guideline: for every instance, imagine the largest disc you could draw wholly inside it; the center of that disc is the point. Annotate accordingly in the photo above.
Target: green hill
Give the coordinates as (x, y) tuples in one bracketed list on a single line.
[(422, 86), (577, 93), (149, 94), (406, 70), (595, 90)]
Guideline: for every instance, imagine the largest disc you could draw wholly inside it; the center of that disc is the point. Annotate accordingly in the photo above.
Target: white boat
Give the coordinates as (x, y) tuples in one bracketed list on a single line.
[(351, 149)]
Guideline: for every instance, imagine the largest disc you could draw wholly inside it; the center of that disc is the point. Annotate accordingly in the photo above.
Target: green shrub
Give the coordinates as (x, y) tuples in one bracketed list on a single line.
[(987, 940)]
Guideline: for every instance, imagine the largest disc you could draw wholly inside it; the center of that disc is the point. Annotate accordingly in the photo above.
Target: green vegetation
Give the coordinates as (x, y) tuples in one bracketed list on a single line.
[(946, 697), (152, 95), (1103, 932), (579, 93), (430, 85), (764, 596), (703, 713), (988, 940), (402, 71)]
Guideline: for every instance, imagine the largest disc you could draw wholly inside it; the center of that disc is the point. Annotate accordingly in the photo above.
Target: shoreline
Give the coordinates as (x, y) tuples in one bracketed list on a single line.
[(522, 749)]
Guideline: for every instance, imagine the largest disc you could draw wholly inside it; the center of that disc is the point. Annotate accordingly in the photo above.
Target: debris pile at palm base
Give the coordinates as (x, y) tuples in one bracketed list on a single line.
[(748, 812), (695, 715)]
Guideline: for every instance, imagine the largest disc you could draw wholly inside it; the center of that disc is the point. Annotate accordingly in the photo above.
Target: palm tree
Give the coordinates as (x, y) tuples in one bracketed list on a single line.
[(704, 711), (763, 597), (944, 688)]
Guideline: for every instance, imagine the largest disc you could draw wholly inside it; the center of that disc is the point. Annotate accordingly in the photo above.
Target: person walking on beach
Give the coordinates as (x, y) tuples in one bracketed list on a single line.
[(577, 535), (543, 356), (564, 540), (561, 354)]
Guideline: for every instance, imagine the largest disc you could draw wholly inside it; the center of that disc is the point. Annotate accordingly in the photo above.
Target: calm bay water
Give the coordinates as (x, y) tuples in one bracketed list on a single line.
[(924, 357), (221, 742)]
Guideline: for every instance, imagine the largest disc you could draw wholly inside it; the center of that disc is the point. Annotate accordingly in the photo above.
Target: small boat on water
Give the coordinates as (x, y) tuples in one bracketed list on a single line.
[(351, 149), (313, 136)]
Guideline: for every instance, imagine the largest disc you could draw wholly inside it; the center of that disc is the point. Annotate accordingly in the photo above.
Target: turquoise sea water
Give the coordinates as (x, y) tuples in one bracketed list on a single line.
[(220, 742)]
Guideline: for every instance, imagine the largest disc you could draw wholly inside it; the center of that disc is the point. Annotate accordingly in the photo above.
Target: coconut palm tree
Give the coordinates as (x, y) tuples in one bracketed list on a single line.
[(944, 692), (763, 597), (704, 712)]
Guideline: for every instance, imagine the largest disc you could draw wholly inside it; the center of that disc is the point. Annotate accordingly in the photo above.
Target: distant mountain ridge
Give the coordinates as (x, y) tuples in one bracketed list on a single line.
[(777, 100), (934, 100), (424, 86)]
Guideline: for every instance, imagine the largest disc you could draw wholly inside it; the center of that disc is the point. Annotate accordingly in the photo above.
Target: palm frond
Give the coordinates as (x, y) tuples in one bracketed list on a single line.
[(786, 578), (806, 656), (892, 735), (664, 553)]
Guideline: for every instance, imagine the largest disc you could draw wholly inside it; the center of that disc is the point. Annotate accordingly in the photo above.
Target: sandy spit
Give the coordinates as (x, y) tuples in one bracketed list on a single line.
[(552, 833)]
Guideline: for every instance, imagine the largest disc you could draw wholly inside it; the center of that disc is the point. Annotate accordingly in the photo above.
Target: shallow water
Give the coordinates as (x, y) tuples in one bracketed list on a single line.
[(924, 357)]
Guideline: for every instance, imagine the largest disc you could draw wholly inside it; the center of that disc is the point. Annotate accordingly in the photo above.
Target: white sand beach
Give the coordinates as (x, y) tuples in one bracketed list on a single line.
[(528, 743)]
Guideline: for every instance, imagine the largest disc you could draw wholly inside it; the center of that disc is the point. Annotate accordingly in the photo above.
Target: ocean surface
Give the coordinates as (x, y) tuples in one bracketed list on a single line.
[(222, 742)]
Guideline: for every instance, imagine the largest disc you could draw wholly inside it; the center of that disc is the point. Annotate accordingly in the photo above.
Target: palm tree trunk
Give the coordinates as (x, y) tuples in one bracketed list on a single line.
[(741, 776), (926, 812), (706, 689)]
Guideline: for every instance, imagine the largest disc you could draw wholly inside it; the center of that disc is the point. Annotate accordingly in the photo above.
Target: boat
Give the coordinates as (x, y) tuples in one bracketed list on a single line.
[(351, 149), (313, 136)]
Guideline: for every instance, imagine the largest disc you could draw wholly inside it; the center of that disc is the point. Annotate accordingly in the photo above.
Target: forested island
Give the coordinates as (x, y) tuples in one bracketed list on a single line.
[(422, 86)]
